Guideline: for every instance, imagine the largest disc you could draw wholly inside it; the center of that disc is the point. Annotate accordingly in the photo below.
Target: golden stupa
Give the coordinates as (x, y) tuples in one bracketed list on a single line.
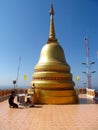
[(52, 77)]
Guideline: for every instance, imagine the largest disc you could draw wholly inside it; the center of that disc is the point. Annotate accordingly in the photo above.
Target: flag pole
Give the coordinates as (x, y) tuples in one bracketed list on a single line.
[(18, 72)]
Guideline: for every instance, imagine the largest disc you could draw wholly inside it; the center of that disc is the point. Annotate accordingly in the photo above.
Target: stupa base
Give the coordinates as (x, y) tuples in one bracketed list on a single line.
[(58, 100), (56, 97)]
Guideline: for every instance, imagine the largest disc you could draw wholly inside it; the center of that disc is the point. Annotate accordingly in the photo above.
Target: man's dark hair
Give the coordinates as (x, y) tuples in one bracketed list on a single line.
[(12, 92)]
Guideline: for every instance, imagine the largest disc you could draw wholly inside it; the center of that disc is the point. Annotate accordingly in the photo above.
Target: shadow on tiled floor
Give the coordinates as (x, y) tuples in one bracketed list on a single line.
[(86, 101)]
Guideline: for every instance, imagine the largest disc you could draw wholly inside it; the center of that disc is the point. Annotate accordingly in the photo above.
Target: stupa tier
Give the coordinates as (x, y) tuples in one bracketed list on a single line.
[(52, 77)]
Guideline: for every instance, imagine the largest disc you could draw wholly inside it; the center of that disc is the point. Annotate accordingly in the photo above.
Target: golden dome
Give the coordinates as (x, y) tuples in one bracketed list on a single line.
[(52, 54)]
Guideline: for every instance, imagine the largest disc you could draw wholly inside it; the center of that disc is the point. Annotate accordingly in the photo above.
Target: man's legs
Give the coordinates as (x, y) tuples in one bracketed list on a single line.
[(14, 105)]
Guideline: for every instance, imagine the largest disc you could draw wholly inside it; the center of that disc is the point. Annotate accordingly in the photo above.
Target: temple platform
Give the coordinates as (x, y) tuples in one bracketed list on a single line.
[(82, 116)]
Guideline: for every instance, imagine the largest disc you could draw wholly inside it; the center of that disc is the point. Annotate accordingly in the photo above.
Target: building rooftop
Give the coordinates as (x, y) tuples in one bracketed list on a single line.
[(82, 116)]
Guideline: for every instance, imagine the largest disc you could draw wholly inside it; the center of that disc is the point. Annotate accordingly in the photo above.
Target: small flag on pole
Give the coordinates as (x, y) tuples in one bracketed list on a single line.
[(25, 77), (77, 78)]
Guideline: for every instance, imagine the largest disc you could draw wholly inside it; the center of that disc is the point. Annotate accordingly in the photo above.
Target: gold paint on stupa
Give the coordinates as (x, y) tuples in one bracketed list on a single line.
[(52, 77)]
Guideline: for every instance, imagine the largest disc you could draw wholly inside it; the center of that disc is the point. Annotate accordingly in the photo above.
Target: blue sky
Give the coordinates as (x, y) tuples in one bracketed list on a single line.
[(24, 30)]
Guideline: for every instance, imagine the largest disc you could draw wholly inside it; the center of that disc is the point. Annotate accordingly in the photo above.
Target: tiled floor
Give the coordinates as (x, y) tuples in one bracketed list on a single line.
[(83, 116)]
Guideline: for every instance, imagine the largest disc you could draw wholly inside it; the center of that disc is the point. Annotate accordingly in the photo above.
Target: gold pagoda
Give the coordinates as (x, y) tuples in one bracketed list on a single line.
[(52, 77)]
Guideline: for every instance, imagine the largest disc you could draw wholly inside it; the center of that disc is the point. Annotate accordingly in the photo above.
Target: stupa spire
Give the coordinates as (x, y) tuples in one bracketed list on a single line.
[(52, 37)]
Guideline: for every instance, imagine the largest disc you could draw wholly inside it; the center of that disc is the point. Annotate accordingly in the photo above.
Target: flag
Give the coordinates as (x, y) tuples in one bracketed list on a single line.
[(77, 78), (25, 77)]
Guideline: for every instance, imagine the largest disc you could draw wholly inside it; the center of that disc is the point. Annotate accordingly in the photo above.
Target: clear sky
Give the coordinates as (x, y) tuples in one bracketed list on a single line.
[(24, 30)]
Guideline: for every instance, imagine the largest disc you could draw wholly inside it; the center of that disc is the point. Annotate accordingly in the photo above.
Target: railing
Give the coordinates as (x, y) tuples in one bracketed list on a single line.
[(4, 94), (80, 90), (90, 93)]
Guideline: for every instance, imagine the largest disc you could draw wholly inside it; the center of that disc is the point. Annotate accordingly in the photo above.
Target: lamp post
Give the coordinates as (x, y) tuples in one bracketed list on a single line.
[(88, 64), (14, 82)]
